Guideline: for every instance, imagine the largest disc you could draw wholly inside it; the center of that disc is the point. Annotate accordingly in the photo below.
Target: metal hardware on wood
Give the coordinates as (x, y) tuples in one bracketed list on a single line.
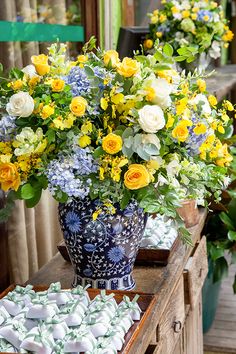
[(200, 272), (177, 325)]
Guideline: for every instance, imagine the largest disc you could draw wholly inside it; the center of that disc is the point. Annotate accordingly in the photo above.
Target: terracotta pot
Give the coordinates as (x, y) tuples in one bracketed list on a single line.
[(189, 212)]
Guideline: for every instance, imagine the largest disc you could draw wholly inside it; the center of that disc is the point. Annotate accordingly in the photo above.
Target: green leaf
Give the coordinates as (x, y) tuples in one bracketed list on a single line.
[(220, 269), (216, 252), (51, 136), (30, 203), (227, 221), (127, 133), (1, 68), (159, 56), (180, 58), (27, 191), (168, 50), (232, 235), (89, 71), (160, 67), (125, 199), (98, 152)]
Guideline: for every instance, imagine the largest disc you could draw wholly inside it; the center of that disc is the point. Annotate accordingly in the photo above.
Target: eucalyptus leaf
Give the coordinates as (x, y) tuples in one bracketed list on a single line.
[(27, 191)]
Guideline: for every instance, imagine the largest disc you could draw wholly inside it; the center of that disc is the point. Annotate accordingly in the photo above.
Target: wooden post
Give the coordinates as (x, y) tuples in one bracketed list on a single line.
[(233, 28), (90, 18), (4, 273), (128, 18)]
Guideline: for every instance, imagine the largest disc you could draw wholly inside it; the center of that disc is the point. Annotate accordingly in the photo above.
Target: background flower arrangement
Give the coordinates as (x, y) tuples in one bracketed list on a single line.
[(191, 27), (110, 129)]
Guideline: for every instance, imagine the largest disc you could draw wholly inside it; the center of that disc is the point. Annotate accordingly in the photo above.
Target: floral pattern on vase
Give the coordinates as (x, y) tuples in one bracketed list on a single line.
[(102, 251)]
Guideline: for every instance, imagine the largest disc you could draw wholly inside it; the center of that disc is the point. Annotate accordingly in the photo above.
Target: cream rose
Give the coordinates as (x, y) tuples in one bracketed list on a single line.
[(151, 139), (30, 71), (151, 118), (162, 93), (21, 104)]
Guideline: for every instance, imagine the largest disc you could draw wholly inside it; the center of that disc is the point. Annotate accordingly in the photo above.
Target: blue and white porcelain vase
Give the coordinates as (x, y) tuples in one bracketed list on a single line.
[(102, 251)]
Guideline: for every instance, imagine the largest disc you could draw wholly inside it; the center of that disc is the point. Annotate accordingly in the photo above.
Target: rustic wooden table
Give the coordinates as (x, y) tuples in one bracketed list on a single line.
[(158, 280), (223, 82)]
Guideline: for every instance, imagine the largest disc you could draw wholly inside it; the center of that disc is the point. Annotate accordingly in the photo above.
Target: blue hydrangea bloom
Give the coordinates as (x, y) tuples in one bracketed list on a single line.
[(202, 14), (78, 81), (68, 172), (7, 128), (73, 221), (116, 254)]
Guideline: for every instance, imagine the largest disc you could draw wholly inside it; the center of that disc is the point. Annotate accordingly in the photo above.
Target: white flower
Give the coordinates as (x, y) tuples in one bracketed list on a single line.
[(206, 109), (30, 71), (215, 50), (151, 118), (162, 93), (151, 139), (20, 104), (173, 168)]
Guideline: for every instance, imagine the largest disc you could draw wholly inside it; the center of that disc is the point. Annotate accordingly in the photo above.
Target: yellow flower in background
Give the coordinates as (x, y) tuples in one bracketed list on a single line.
[(112, 143), (186, 14), (201, 85), (148, 43), (84, 141), (228, 106), (111, 56), (156, 12), (224, 157), (195, 9), (47, 111), (225, 117), (41, 64), (9, 176), (136, 177), (128, 67), (194, 16), (174, 10), (228, 36), (154, 19), (17, 85), (159, 34), (57, 85), (78, 106), (221, 129), (200, 129), (212, 100), (213, 4), (162, 18), (151, 93), (180, 132), (34, 81), (87, 127)]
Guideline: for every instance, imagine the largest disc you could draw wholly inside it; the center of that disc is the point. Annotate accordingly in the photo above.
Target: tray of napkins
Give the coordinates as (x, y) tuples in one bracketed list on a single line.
[(159, 241), (50, 319)]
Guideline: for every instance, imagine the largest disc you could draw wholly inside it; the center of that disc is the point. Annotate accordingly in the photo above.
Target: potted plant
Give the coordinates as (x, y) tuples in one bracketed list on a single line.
[(197, 30), (112, 140)]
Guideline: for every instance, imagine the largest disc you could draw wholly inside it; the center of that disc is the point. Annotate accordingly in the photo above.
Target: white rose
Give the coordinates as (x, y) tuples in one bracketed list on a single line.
[(151, 139), (30, 71), (151, 118), (205, 106), (162, 93), (20, 104)]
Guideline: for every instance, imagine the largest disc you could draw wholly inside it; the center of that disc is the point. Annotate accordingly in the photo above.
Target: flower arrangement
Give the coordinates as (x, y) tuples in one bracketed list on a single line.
[(191, 27), (110, 129)]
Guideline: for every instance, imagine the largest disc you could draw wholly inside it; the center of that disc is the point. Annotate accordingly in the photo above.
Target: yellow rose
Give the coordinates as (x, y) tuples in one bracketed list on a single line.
[(41, 64), (128, 67), (180, 132), (47, 111), (111, 56), (57, 85), (148, 43), (112, 143), (9, 176), (84, 141), (78, 106), (136, 177)]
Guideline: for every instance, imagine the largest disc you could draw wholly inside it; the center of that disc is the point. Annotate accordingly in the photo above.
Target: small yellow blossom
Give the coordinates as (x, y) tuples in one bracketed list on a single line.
[(212, 100), (118, 98), (186, 14), (162, 18), (104, 103), (228, 106), (154, 19), (201, 85), (159, 34), (148, 43), (200, 129), (82, 59), (17, 85), (194, 16), (87, 127), (84, 141), (57, 85), (181, 105), (180, 132), (221, 129)]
